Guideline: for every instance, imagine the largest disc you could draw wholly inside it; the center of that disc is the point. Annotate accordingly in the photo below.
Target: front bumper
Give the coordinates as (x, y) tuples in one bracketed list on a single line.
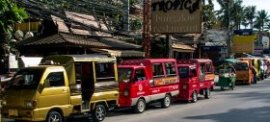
[(23, 114)]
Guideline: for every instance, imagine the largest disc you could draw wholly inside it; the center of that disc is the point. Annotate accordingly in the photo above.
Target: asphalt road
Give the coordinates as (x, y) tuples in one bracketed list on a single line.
[(244, 104)]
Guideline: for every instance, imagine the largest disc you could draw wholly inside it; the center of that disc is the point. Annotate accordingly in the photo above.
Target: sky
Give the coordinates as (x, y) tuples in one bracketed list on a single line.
[(260, 4)]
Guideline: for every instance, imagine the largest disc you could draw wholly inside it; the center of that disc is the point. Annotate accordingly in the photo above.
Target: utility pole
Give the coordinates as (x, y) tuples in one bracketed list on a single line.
[(228, 2), (147, 28), (126, 15)]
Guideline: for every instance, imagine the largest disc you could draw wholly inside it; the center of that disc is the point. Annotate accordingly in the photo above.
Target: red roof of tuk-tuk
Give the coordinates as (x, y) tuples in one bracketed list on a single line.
[(184, 65), (130, 66), (143, 61), (192, 61)]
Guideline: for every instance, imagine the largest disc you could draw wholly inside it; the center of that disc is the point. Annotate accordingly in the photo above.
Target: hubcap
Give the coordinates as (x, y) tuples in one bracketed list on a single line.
[(141, 106), (167, 101), (100, 113), (54, 118)]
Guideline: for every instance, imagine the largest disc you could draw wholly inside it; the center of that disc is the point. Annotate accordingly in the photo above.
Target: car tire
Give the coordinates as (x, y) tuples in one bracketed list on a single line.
[(194, 97), (99, 113), (166, 101), (54, 116), (140, 106), (207, 94)]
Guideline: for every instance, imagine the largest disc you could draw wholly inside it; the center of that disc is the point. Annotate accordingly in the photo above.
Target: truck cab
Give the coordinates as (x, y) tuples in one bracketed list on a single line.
[(63, 87), (147, 80), (196, 78)]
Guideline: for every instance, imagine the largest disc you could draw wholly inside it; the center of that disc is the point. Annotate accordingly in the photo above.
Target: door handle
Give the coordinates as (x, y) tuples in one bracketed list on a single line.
[(64, 90)]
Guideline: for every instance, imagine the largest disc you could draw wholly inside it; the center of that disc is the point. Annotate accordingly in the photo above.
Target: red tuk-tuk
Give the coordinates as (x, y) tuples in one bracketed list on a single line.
[(147, 80), (196, 77)]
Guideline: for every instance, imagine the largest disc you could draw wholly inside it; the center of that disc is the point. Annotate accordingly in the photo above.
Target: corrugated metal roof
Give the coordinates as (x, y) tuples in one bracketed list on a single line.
[(63, 39)]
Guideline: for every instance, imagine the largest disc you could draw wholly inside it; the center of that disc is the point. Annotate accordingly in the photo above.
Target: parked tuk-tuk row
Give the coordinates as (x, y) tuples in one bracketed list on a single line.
[(247, 71), (65, 86)]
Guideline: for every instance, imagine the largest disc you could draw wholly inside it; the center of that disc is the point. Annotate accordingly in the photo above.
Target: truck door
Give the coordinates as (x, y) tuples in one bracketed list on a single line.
[(140, 85), (55, 90)]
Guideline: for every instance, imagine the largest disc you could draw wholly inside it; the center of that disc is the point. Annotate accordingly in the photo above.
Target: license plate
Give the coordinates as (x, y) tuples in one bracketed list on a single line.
[(13, 112)]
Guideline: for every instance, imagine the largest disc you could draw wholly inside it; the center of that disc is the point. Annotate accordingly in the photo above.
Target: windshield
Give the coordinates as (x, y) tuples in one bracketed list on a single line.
[(26, 79), (124, 74), (241, 66), (183, 72)]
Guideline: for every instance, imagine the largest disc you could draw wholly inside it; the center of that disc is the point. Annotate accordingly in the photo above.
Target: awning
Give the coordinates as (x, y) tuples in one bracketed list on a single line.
[(182, 48), (123, 53)]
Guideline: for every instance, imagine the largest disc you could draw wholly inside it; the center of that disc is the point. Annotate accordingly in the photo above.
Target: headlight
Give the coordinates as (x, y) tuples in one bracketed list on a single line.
[(31, 104)]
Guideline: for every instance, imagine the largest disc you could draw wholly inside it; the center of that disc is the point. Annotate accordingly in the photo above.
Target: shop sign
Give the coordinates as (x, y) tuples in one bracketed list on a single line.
[(176, 16)]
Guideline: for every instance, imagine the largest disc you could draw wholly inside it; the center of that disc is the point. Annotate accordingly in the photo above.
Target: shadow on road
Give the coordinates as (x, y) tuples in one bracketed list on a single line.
[(237, 115)]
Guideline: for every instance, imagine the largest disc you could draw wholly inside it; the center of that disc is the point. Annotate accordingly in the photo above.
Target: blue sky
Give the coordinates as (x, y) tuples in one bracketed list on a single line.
[(261, 4)]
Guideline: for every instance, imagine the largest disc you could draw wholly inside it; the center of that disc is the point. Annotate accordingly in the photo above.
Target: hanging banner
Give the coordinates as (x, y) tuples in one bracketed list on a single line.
[(176, 16)]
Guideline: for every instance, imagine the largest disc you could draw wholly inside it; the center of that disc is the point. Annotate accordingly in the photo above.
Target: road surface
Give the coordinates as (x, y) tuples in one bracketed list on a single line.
[(244, 104)]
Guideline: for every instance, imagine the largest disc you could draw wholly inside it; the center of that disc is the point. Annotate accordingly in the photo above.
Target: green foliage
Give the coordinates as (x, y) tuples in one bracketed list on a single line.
[(250, 14), (209, 17), (231, 13), (10, 14), (262, 19), (134, 2), (136, 24)]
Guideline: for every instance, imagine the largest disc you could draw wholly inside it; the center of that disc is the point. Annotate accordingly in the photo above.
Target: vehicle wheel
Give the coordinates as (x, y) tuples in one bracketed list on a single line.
[(166, 101), (140, 106), (194, 97), (221, 88), (99, 113), (207, 94), (54, 116)]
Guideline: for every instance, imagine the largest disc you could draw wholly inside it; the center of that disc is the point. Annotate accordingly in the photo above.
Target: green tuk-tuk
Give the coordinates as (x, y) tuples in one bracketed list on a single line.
[(227, 75)]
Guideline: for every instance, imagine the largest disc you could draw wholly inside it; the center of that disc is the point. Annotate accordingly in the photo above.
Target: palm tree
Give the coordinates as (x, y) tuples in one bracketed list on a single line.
[(231, 13), (250, 14), (237, 13), (223, 13), (261, 20), (209, 18)]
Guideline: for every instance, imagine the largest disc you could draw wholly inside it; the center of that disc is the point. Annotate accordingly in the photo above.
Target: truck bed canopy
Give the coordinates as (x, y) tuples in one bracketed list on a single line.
[(68, 61)]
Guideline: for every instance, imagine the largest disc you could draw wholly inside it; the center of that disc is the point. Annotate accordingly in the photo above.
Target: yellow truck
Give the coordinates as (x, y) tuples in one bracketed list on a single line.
[(63, 87)]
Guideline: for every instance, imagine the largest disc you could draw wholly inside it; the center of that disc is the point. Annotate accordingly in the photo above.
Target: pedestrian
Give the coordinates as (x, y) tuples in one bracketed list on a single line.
[(254, 74)]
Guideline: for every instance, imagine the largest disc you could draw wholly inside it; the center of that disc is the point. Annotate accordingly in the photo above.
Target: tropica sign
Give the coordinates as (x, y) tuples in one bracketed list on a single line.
[(176, 5), (176, 16)]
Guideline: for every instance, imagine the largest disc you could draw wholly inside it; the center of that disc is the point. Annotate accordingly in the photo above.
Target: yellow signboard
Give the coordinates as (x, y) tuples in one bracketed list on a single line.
[(243, 44), (176, 16)]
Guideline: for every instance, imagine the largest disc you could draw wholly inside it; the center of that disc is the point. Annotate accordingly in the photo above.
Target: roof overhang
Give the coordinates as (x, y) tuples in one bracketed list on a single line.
[(122, 53), (182, 48)]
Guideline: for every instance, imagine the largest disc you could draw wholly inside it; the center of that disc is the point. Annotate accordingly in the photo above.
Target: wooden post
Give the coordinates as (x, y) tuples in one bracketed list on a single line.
[(147, 28)]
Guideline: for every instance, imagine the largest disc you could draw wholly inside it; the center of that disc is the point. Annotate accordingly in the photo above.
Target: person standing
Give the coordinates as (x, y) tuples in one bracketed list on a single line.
[(254, 74)]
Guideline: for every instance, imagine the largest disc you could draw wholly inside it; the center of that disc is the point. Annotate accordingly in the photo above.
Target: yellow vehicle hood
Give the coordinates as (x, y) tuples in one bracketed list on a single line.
[(17, 98)]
